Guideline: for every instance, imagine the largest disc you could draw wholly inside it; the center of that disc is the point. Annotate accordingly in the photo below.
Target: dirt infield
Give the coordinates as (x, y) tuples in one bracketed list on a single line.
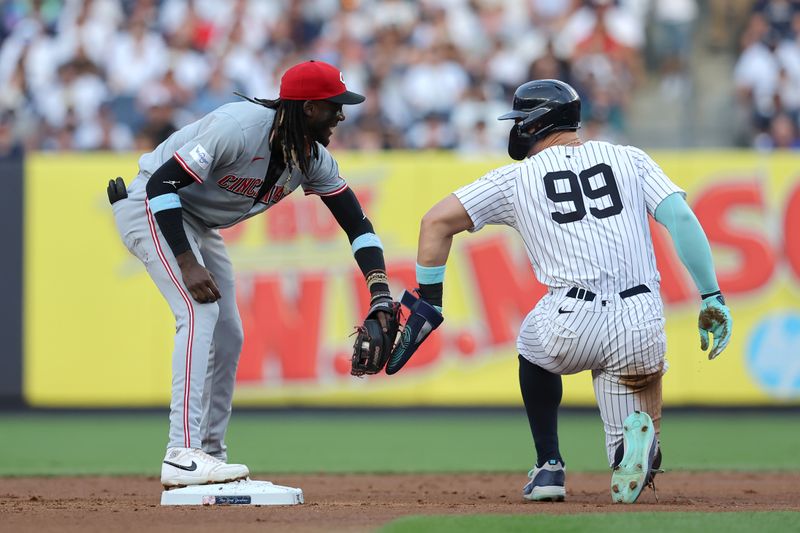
[(364, 502)]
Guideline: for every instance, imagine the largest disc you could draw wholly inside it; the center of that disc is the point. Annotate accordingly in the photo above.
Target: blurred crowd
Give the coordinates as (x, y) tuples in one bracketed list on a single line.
[(123, 74), (767, 75)]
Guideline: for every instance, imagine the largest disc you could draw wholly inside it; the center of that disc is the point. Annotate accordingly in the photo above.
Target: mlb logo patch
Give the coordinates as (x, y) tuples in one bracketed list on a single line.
[(201, 157)]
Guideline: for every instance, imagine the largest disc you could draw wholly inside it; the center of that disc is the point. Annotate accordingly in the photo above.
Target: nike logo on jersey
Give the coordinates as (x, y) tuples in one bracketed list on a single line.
[(190, 468), (173, 183), (561, 311)]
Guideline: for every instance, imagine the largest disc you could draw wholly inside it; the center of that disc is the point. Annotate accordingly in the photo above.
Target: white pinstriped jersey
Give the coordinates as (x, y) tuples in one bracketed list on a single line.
[(581, 211)]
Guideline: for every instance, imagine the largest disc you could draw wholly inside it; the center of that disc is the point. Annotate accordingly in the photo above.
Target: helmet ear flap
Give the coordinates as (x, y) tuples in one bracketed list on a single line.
[(519, 143), (527, 130), (526, 124)]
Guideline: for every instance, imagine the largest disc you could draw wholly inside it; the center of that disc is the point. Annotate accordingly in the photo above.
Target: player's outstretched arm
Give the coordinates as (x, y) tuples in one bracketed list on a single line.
[(438, 226), (444, 220), (367, 249), (375, 337), (694, 251)]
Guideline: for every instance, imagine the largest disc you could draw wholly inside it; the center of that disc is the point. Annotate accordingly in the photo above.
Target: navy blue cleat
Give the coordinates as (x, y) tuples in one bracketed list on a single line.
[(546, 483), (424, 318)]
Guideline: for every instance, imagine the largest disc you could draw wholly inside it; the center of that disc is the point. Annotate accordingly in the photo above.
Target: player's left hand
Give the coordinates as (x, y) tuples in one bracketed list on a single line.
[(375, 338), (715, 318)]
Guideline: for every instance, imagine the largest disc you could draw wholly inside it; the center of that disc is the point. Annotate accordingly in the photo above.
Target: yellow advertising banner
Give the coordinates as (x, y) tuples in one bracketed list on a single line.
[(97, 332)]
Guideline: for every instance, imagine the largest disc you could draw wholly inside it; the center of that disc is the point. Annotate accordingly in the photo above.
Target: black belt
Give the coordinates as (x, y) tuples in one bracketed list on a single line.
[(583, 294)]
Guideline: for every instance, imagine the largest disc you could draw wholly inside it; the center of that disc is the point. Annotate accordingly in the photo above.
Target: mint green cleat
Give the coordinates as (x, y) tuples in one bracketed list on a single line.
[(632, 474)]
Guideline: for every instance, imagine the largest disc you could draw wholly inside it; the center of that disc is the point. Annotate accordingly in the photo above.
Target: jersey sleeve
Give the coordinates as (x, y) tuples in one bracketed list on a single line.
[(488, 200), (218, 143), (655, 184), (323, 177)]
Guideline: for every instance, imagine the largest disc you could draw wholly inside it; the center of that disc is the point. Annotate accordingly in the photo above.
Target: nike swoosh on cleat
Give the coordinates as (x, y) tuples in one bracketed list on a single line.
[(561, 311), (405, 341), (190, 468)]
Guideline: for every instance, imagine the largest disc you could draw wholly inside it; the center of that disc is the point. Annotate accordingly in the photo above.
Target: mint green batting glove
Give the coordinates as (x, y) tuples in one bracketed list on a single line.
[(715, 318)]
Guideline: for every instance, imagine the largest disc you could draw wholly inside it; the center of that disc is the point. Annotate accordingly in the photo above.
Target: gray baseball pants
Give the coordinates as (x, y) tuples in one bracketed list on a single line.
[(208, 336)]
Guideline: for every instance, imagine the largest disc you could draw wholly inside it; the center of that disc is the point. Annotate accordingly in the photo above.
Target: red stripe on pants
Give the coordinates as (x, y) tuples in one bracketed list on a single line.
[(190, 307)]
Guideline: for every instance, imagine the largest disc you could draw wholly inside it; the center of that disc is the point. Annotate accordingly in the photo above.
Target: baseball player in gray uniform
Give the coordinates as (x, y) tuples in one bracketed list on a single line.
[(230, 165), (582, 210)]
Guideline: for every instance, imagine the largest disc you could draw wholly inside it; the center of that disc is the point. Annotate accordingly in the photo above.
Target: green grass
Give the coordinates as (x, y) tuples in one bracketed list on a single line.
[(761, 522), (125, 443)]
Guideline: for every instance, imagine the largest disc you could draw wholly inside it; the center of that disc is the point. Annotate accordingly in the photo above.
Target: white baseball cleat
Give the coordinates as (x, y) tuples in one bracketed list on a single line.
[(183, 467)]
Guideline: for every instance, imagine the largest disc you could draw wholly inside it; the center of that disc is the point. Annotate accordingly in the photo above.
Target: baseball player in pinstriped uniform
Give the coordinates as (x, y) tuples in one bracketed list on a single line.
[(581, 209), (234, 163)]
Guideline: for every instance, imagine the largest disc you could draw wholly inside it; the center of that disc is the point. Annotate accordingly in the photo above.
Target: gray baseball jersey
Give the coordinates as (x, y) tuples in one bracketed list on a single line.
[(227, 153), (582, 214)]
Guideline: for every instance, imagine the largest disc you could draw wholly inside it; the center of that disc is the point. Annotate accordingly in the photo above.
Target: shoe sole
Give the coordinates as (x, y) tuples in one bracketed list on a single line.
[(422, 313), (546, 494), (184, 485), (628, 479)]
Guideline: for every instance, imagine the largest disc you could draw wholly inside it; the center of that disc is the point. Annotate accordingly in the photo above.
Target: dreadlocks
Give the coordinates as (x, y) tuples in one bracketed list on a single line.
[(290, 131)]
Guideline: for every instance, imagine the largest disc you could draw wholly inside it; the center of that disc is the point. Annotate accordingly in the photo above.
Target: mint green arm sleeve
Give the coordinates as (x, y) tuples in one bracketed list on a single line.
[(690, 241)]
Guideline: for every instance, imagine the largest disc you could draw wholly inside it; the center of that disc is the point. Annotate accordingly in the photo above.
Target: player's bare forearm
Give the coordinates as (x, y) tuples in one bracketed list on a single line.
[(186, 259), (444, 220), (437, 228)]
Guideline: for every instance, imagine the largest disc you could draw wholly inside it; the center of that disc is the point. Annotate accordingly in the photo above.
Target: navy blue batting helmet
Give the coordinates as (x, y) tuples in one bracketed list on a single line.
[(544, 107)]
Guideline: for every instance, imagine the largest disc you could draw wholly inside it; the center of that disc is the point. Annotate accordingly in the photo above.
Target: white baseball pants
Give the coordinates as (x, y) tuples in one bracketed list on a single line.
[(622, 341)]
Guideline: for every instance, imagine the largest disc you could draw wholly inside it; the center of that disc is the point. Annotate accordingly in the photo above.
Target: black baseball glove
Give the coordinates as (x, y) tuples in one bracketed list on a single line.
[(373, 345)]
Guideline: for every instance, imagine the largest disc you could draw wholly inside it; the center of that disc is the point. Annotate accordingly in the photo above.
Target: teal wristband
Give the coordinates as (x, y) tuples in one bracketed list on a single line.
[(430, 275), (164, 202), (366, 240)]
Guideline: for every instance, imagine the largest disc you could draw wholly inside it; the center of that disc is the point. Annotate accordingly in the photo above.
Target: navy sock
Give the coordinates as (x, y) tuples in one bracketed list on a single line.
[(541, 393), (432, 293)]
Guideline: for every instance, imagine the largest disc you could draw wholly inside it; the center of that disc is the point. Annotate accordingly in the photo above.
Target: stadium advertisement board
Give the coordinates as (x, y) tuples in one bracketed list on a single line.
[(97, 333)]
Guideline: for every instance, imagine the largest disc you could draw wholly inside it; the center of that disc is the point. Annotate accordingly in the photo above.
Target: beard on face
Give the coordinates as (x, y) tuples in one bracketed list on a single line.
[(319, 132), (322, 125)]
